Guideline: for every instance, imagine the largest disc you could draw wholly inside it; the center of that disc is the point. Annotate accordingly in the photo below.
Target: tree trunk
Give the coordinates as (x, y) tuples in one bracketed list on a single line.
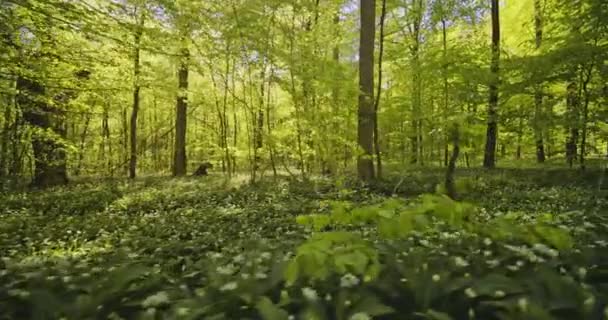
[(585, 118), (83, 138), (6, 128), (181, 115), (136, 89), (445, 88), (449, 176), (365, 130), (572, 103), (378, 94), (489, 159), (415, 137), (538, 90), (49, 155)]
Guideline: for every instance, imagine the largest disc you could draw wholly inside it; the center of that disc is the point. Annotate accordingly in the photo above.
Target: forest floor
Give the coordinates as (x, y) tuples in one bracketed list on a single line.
[(522, 244)]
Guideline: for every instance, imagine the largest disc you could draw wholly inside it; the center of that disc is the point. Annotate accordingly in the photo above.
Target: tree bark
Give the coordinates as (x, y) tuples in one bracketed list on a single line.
[(136, 90), (181, 115), (445, 88), (378, 94), (538, 90), (489, 159), (572, 103), (449, 176), (365, 129)]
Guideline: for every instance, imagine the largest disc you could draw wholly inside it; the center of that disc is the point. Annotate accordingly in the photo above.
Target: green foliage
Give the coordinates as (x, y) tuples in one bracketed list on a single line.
[(330, 252), (192, 249)]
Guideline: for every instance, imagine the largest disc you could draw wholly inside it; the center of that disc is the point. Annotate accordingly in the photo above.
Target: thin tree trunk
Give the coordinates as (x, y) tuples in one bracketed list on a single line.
[(538, 94), (449, 176), (6, 128), (136, 90), (445, 88), (489, 160), (585, 118), (83, 138), (378, 94), (572, 103), (181, 116), (415, 138), (365, 130)]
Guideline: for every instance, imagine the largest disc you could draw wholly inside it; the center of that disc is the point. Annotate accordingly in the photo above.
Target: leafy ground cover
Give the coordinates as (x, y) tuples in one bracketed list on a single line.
[(521, 244)]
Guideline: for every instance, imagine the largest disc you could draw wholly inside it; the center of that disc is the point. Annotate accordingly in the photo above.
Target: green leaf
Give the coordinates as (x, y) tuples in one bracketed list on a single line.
[(372, 306), (269, 311)]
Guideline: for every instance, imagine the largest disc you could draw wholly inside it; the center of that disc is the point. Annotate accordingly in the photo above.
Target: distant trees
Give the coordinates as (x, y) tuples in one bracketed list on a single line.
[(282, 87)]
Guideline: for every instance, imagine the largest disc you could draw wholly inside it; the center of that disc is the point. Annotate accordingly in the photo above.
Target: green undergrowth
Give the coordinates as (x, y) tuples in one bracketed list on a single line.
[(517, 245)]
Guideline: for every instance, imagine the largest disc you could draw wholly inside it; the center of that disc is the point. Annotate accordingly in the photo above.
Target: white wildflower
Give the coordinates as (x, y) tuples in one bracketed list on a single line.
[(436, 277), (310, 293), (523, 304), (460, 262), (156, 300), (349, 280), (229, 286), (360, 316), (470, 293)]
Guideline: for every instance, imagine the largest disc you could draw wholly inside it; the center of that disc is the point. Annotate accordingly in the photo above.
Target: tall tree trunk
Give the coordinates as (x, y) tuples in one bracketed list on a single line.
[(585, 117), (445, 88), (365, 130), (6, 129), (538, 90), (572, 103), (416, 138), (378, 94), (489, 159), (136, 89), (181, 115)]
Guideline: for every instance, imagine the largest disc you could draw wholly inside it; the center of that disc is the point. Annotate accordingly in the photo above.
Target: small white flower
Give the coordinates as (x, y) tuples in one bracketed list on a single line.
[(487, 241), (360, 316), (499, 294), (156, 300), (349, 280), (523, 304), (589, 301), (582, 272), (436, 277), (182, 311), (226, 270), (310, 293), (493, 263), (229, 286), (470, 293), (460, 262)]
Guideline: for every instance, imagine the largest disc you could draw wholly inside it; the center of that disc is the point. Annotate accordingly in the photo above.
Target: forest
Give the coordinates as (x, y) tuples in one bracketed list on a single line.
[(304, 159)]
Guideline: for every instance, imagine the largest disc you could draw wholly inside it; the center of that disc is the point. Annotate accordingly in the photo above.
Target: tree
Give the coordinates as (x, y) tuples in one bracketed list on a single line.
[(139, 29), (366, 114), (489, 160), (538, 88)]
